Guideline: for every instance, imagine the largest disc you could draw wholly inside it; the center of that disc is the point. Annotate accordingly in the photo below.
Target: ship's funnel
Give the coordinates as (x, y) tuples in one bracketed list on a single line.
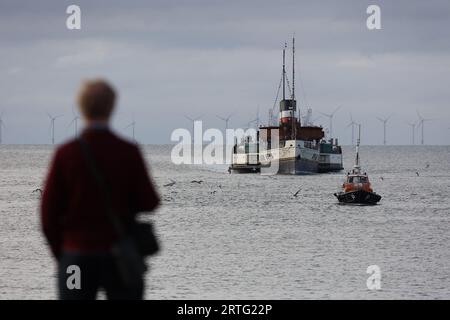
[(287, 110)]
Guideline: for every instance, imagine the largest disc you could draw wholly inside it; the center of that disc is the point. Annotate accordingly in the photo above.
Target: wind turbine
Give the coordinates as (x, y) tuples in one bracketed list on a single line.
[(384, 120), (422, 121), (75, 122), (193, 123), (330, 116), (2, 124), (226, 119), (132, 125), (352, 124), (307, 118), (413, 131), (52, 125), (249, 123)]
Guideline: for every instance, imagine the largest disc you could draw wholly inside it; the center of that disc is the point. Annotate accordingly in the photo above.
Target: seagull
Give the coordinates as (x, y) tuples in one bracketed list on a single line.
[(197, 181), (381, 178), (38, 190), (170, 184), (168, 199), (296, 194)]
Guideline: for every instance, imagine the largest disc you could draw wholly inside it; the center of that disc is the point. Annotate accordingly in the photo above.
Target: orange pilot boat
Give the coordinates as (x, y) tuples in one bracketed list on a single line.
[(357, 188)]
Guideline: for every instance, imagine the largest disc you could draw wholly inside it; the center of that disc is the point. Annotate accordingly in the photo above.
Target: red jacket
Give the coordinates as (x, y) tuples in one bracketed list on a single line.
[(73, 212)]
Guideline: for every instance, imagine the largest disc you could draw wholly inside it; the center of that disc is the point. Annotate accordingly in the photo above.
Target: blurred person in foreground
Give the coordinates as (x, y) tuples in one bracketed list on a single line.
[(75, 221)]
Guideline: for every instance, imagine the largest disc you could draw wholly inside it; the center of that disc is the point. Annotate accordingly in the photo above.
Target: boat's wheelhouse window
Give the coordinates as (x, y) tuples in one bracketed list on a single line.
[(357, 179)]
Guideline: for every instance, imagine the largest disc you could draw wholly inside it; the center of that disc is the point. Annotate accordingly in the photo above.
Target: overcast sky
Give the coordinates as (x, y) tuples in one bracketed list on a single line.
[(174, 58)]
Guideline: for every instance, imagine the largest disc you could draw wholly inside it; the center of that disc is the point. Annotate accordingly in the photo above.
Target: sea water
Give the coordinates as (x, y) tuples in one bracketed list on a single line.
[(247, 237)]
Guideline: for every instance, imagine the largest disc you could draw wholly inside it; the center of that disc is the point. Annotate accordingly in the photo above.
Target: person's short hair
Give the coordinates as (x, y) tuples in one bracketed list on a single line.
[(96, 99)]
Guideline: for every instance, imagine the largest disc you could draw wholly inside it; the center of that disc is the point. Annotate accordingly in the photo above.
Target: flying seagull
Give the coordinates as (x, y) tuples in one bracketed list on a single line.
[(38, 190), (170, 184)]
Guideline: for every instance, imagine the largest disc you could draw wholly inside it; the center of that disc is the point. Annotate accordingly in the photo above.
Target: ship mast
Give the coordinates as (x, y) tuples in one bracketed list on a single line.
[(284, 71), (293, 69), (357, 167), (288, 106), (294, 125)]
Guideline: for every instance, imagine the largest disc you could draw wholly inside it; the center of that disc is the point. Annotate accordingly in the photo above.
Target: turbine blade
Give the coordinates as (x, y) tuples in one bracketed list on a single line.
[(418, 114), (335, 110), (325, 114), (71, 122)]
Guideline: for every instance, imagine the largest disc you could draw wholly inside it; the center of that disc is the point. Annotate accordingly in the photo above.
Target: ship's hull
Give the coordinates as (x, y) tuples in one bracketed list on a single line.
[(295, 157), (289, 166), (298, 166), (329, 162), (330, 167), (236, 168), (358, 197)]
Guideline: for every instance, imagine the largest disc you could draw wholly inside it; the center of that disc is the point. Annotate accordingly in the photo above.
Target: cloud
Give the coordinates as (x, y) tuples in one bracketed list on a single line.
[(170, 58)]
